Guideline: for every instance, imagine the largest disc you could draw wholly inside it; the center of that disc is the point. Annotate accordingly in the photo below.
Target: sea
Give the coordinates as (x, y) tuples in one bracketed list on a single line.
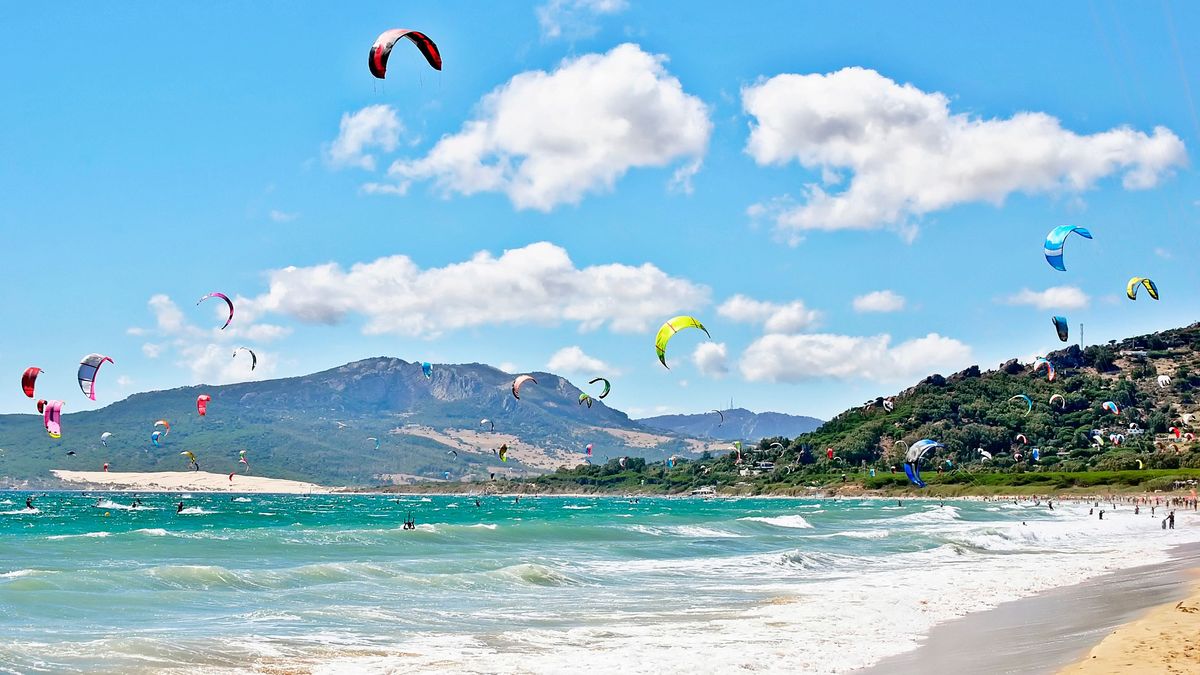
[(336, 584)]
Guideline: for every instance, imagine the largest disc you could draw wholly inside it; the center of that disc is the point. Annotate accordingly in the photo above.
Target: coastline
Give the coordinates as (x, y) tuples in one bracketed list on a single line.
[(1050, 631), (1164, 640)]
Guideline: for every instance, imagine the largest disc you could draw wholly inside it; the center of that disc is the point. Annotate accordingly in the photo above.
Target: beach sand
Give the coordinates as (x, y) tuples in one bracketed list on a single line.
[(1165, 640), (175, 481)]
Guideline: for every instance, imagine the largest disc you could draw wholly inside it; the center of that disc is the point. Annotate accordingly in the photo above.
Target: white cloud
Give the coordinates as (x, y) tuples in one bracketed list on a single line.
[(879, 301), (1055, 297), (792, 317), (537, 283), (795, 358), (152, 350), (574, 360), (207, 353), (1163, 253), (546, 139), (282, 216), (711, 359), (375, 126), (124, 381), (909, 155), (508, 367), (166, 313), (572, 19)]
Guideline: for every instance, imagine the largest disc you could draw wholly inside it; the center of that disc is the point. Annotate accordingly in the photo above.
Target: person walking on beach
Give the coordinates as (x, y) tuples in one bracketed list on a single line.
[(1171, 521), (1136, 510), (1101, 514)]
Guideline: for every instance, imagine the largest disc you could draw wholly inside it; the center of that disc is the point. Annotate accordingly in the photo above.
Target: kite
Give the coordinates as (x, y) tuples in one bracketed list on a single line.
[(912, 460), (89, 366), (52, 418), (1028, 402), (164, 423), (607, 385), (584, 398), (1060, 327), (516, 385), (191, 458), (202, 404), (28, 380), (1062, 401), (382, 49), (1163, 381), (722, 417), (253, 356), (427, 369), (1111, 407), (1054, 244), (503, 452), (154, 438), (1022, 439), (669, 329), (483, 422), (227, 302), (1040, 363), (1131, 288), (372, 438), (104, 438), (588, 449)]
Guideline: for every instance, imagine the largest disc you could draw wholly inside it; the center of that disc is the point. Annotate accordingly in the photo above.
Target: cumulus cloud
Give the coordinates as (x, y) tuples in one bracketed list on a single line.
[(909, 155), (791, 317), (711, 358), (1055, 297), (572, 19), (537, 283), (574, 360), (375, 126), (278, 216), (795, 358), (879, 301), (207, 352), (549, 138)]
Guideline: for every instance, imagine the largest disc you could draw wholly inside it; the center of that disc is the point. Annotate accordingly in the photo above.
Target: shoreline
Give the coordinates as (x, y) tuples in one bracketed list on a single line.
[(1165, 639), (185, 481), (1052, 631)]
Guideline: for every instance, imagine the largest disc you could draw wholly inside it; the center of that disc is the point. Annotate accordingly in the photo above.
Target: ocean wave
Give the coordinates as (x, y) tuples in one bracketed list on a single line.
[(694, 531), (153, 531), (17, 573), (533, 573), (21, 512), (791, 522), (241, 499), (486, 526), (937, 514), (576, 507), (855, 534), (195, 511), (89, 535)]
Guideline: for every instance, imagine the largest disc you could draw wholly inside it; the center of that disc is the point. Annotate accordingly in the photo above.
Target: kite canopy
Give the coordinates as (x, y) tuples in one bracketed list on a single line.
[(1043, 363), (154, 438), (607, 385), (722, 417), (503, 453), (163, 423), (1062, 402), (1111, 407), (1035, 454), (669, 329), (382, 49), (30, 377), (372, 438), (1163, 381), (517, 383), (1054, 244), (1060, 327), (104, 438), (427, 369), (253, 356), (912, 459), (584, 398), (88, 367), (1021, 439), (486, 421), (588, 449), (52, 418), (985, 454), (1131, 288), (202, 404), (227, 302), (1028, 402)]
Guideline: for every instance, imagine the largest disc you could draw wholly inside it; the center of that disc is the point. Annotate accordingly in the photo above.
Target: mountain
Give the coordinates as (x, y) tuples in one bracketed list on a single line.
[(975, 410), (316, 427), (737, 424)]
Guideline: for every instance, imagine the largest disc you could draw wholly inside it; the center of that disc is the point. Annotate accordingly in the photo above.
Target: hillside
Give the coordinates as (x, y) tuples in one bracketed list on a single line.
[(738, 424), (315, 428)]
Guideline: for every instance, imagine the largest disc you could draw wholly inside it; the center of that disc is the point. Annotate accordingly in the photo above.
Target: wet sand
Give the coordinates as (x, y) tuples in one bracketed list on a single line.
[(1047, 632), (1164, 640)]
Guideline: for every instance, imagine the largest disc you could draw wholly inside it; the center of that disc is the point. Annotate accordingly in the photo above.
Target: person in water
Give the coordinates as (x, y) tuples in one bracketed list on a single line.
[(29, 503), (410, 523), (477, 504), (179, 509)]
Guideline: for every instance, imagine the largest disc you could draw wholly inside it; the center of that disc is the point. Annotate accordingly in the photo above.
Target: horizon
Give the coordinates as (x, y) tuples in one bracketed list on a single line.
[(436, 216)]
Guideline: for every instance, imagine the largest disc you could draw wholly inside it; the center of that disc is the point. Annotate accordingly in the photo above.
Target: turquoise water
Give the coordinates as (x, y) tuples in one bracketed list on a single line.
[(332, 583)]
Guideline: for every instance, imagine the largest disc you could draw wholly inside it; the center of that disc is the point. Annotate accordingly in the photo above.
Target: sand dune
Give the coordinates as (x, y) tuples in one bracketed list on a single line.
[(174, 481)]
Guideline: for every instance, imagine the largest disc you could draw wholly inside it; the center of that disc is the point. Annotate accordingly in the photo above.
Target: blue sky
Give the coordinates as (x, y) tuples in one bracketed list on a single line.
[(759, 169)]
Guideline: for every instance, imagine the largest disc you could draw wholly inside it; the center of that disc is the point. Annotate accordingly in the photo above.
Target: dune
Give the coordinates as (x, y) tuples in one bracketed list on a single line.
[(1165, 640), (175, 481)]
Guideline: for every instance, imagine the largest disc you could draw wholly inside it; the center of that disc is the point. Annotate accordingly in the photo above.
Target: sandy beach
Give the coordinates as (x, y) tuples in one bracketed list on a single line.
[(173, 481), (1165, 640)]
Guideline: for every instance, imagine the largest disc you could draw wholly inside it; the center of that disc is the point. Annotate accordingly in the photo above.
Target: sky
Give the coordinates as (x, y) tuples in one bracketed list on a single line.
[(849, 196)]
